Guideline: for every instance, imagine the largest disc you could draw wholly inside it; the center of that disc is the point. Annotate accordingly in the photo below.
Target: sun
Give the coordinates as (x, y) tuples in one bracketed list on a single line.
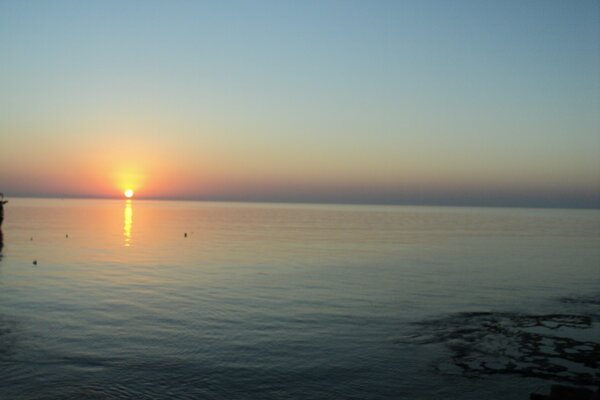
[(128, 193)]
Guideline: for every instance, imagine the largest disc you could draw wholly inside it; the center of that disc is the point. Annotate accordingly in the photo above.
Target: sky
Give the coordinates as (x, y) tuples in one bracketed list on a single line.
[(398, 102)]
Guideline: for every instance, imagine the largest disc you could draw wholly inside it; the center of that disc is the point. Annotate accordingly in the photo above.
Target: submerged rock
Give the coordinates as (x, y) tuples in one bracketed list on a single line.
[(560, 392), (534, 346)]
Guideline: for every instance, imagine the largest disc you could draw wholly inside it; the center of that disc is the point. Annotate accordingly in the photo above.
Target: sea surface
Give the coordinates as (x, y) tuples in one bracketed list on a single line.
[(115, 299)]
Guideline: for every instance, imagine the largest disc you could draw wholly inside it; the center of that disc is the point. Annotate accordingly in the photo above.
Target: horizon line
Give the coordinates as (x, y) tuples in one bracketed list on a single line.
[(457, 204)]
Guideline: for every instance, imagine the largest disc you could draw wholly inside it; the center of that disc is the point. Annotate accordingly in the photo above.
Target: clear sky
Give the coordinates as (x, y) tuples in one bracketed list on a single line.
[(420, 102)]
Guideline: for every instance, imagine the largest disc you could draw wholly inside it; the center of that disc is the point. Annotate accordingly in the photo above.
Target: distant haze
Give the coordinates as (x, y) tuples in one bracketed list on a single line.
[(396, 102)]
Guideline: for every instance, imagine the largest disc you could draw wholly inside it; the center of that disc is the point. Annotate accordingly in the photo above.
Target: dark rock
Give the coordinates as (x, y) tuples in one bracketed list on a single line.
[(531, 346), (561, 392)]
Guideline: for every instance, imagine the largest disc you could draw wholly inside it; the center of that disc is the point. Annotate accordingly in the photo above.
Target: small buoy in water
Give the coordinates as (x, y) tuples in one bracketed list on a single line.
[(185, 234), (67, 235), (31, 238), (34, 262)]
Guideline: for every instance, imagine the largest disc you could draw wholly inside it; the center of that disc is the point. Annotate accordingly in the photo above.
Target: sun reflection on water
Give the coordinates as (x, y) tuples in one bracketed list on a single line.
[(127, 222)]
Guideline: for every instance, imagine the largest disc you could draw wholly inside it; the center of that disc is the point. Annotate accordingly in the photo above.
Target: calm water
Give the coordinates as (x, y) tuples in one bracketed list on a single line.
[(282, 301)]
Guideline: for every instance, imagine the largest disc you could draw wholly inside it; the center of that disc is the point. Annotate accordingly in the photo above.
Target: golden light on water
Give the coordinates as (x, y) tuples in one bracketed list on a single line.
[(128, 193), (127, 222)]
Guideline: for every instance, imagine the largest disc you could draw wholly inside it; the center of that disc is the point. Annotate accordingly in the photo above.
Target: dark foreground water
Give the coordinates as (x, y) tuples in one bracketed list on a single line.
[(293, 301)]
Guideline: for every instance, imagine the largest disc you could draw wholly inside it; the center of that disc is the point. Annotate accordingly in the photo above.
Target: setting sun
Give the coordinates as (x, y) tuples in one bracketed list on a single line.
[(128, 193)]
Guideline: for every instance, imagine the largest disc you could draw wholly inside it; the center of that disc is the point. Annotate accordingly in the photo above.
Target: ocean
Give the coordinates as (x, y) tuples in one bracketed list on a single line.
[(116, 299)]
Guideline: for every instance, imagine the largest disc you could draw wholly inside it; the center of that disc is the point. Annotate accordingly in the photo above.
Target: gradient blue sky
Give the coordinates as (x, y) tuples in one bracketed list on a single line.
[(421, 102)]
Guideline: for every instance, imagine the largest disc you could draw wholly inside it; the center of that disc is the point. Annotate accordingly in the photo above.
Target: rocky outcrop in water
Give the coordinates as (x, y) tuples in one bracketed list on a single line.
[(560, 392), (534, 346), (2, 203)]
